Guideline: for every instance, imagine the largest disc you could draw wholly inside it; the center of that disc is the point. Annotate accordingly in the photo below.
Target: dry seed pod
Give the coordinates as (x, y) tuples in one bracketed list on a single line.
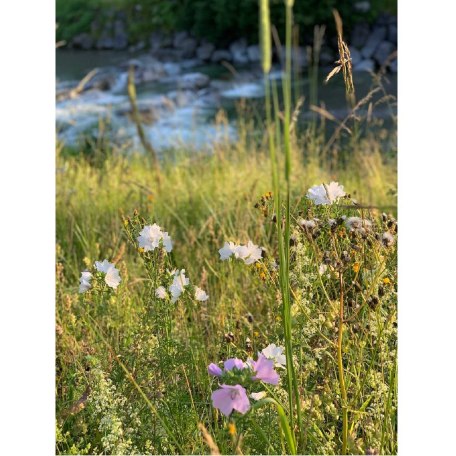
[(229, 337), (372, 451)]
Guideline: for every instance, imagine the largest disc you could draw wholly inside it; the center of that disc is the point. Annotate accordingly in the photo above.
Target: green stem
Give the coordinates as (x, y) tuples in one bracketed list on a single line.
[(283, 422), (343, 390), (286, 266)]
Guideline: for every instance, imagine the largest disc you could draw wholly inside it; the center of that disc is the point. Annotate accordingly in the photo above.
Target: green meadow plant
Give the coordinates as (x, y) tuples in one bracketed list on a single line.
[(278, 336)]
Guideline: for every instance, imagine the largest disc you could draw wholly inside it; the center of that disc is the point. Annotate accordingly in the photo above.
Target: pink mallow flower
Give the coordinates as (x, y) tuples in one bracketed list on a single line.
[(229, 398), (231, 363), (214, 370), (264, 370)]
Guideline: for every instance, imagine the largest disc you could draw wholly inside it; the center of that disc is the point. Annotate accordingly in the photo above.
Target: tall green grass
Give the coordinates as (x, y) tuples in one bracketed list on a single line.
[(132, 379)]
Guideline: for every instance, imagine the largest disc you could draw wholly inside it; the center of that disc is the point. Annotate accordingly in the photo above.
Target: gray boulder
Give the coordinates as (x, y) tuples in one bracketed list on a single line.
[(179, 37), (393, 66), (82, 41), (392, 33), (190, 63), (204, 52), (139, 46), (120, 40), (238, 50), (159, 40), (172, 69), (188, 47), (221, 54), (105, 42), (367, 65), (362, 7), (355, 55), (193, 81), (359, 35), (254, 53), (384, 50), (375, 38)]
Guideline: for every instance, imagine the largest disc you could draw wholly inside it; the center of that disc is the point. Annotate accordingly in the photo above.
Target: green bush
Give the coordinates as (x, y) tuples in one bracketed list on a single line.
[(219, 21)]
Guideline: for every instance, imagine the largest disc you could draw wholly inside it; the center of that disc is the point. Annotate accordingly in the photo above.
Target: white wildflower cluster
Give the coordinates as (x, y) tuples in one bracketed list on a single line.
[(178, 286), (247, 253), (112, 410), (110, 275), (152, 236), (325, 193)]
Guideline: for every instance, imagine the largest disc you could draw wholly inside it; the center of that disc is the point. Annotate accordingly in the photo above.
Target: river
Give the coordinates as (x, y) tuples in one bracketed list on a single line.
[(176, 115)]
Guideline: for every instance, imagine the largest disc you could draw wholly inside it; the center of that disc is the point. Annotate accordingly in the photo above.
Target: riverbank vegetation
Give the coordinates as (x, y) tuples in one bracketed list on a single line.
[(218, 21)]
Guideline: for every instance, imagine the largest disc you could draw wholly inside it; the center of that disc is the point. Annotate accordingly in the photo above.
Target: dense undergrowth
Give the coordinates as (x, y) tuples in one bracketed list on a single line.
[(203, 201)]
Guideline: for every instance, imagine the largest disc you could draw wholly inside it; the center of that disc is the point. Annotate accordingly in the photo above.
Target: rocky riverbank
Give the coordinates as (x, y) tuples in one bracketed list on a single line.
[(371, 46)]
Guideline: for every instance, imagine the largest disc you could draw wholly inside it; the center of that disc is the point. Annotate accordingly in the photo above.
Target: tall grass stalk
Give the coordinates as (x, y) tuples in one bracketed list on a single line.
[(283, 234), (343, 389)]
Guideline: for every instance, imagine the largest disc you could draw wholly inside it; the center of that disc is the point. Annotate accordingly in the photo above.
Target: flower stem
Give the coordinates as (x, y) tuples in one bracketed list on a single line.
[(343, 390)]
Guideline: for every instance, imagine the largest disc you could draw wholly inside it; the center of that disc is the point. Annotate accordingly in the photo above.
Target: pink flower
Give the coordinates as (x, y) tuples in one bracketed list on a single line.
[(264, 370), (214, 370), (229, 398), (231, 363)]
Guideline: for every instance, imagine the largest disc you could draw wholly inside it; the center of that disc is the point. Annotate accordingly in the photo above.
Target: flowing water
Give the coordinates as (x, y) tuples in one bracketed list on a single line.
[(179, 117)]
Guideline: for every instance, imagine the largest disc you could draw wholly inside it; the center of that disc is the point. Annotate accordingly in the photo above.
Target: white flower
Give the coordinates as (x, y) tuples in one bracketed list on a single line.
[(248, 253), (275, 353), (161, 293), (84, 281), (112, 277), (178, 285), (227, 250), (322, 269), (150, 236), (258, 396), (167, 243), (358, 224), (201, 295), (325, 194)]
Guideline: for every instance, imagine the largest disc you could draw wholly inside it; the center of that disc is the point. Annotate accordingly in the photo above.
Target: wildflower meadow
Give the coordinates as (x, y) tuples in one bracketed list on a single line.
[(238, 302)]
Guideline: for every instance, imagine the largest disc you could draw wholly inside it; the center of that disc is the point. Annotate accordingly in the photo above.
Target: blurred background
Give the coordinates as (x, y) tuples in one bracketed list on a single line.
[(197, 68)]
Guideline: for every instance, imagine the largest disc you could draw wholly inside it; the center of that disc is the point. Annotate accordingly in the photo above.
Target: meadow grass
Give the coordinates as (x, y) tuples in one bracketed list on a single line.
[(132, 365), (202, 201)]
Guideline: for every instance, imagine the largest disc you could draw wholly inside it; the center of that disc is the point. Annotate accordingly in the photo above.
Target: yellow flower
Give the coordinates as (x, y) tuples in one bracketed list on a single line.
[(232, 429), (386, 281), (262, 276), (140, 250), (356, 267)]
